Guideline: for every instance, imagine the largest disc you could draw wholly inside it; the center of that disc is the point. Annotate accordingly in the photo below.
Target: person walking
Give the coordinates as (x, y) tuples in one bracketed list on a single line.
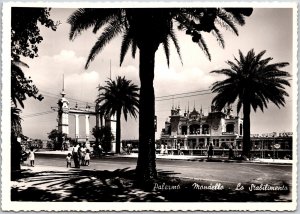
[(178, 149), (68, 158), (230, 153), (210, 151), (31, 157), (100, 150), (76, 155), (87, 157)]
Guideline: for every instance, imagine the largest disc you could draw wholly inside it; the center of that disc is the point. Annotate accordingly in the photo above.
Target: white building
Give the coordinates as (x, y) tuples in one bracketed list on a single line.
[(194, 130)]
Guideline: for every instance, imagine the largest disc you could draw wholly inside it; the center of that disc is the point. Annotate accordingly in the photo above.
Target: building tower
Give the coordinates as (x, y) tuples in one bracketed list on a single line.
[(63, 113)]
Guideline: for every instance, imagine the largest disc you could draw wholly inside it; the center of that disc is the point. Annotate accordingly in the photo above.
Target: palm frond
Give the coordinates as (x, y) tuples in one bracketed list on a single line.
[(259, 56), (224, 20), (166, 49), (111, 31), (126, 42), (104, 16), (175, 41), (239, 105), (227, 72), (219, 37), (19, 63), (133, 49), (203, 46), (237, 15), (84, 18)]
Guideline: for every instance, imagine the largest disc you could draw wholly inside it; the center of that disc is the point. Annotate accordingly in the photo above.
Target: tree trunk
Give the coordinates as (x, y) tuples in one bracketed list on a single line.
[(246, 129), (146, 166), (15, 155), (118, 131)]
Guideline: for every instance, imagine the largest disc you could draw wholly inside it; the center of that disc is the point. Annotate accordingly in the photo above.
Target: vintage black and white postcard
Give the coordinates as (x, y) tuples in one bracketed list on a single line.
[(149, 106)]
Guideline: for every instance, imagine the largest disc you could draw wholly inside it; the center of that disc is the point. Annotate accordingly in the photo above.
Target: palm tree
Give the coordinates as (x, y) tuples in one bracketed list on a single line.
[(118, 96), (146, 29), (252, 81)]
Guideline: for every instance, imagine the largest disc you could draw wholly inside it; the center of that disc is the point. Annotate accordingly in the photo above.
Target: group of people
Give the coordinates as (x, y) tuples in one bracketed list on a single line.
[(28, 155), (210, 151), (163, 149), (80, 155)]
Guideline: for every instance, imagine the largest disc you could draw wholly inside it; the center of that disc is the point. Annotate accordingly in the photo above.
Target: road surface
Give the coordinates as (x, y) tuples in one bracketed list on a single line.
[(223, 172)]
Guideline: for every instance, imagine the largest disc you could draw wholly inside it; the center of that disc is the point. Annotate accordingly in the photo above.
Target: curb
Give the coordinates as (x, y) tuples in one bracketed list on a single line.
[(171, 158)]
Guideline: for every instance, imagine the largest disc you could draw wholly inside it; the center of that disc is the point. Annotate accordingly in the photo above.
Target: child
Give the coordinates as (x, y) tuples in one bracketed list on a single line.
[(31, 157), (69, 156), (87, 157)]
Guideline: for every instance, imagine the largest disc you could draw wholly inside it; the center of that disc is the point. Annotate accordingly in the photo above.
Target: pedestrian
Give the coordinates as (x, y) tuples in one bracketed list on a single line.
[(82, 154), (178, 148), (31, 157), (210, 151), (230, 154), (68, 158), (76, 155), (100, 150), (87, 157), (162, 149), (128, 148), (166, 149)]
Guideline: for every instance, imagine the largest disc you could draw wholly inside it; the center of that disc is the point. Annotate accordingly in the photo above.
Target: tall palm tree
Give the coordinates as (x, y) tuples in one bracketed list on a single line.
[(146, 29), (252, 81), (118, 96)]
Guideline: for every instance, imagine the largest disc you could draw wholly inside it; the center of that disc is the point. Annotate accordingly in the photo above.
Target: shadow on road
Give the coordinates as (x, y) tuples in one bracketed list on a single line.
[(120, 186)]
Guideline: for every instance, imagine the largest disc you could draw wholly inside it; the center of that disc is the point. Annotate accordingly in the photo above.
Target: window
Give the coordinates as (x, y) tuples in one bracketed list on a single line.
[(230, 127), (205, 129), (194, 128)]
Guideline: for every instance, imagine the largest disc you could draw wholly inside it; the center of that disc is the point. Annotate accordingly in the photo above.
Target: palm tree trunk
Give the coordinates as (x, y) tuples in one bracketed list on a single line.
[(146, 166), (246, 129), (118, 131)]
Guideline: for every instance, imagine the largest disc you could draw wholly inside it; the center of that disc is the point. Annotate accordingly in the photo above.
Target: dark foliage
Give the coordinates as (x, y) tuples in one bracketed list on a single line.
[(104, 136), (25, 33), (253, 82), (57, 138)]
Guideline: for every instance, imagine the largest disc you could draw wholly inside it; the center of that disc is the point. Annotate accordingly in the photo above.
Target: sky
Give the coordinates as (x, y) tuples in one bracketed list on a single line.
[(268, 29)]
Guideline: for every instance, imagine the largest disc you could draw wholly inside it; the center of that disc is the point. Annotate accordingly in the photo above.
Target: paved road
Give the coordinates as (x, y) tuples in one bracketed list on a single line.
[(209, 171)]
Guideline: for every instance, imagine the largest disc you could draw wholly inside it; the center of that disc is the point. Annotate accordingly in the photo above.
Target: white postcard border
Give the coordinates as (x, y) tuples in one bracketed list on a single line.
[(132, 206)]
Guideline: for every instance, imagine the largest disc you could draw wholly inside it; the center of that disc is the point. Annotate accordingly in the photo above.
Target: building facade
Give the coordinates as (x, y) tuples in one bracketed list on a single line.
[(64, 111), (194, 130)]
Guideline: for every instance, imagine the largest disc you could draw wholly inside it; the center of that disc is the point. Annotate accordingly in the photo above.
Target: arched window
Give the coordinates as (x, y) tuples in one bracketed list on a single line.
[(194, 128), (205, 129), (230, 127), (184, 130)]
